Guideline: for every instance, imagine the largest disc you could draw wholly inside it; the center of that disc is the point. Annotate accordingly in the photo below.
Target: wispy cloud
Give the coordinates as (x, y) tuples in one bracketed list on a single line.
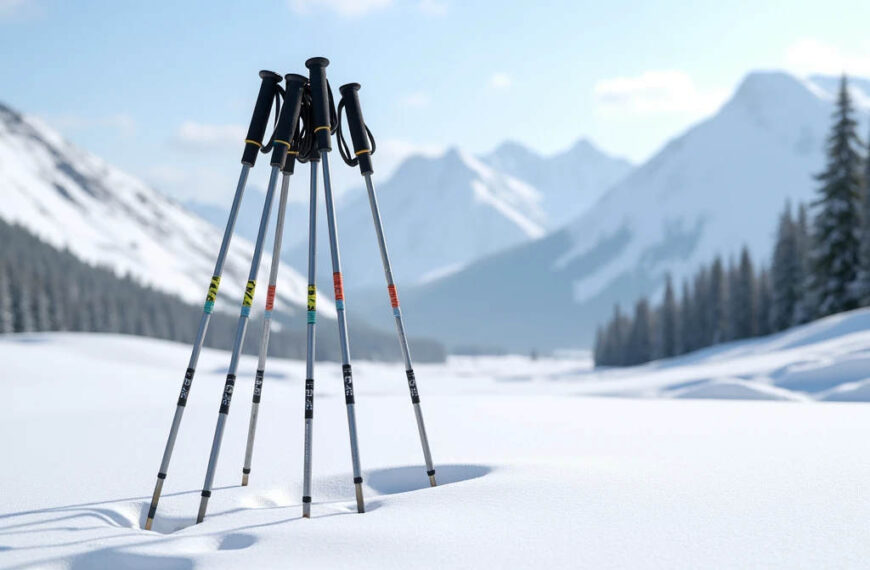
[(810, 55), (201, 136), (655, 92), (345, 8), (120, 122), (500, 80), (416, 100)]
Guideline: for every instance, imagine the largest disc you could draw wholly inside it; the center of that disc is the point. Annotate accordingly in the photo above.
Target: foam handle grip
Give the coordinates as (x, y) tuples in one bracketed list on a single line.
[(260, 118), (289, 118), (362, 146), (320, 102)]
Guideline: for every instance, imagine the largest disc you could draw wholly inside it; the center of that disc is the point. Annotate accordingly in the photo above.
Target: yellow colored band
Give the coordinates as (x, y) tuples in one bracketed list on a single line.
[(293, 152), (249, 141), (363, 151), (321, 128), (285, 143)]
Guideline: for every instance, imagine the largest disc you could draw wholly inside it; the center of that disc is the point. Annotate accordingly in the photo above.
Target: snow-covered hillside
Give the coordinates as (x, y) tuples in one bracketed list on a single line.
[(73, 199), (717, 187), (535, 468)]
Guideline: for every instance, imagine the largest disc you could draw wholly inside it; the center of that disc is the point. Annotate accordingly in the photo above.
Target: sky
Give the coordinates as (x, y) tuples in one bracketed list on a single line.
[(165, 89)]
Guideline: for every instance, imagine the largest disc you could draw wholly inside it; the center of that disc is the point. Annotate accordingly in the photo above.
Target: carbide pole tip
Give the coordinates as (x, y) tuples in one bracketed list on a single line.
[(432, 482), (148, 522)]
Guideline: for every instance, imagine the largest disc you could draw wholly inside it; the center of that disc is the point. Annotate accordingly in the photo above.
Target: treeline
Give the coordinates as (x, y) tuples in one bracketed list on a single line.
[(46, 289), (817, 269)]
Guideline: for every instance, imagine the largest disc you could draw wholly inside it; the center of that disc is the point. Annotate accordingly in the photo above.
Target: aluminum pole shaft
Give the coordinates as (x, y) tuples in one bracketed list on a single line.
[(247, 301), (309, 352), (400, 328), (267, 324), (197, 344)]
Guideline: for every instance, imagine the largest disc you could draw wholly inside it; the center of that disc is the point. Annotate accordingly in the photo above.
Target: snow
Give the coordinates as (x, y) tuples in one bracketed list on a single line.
[(537, 467)]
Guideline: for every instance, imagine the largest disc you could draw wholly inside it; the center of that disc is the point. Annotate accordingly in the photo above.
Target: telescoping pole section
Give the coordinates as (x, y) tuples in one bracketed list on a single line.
[(277, 160), (363, 151), (309, 351), (253, 142), (292, 102), (322, 132)]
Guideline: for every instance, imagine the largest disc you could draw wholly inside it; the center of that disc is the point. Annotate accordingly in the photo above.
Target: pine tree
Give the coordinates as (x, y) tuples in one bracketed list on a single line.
[(745, 296), (787, 273), (640, 339), (864, 271), (669, 343), (718, 303), (837, 228), (7, 323), (765, 302), (686, 331), (806, 300)]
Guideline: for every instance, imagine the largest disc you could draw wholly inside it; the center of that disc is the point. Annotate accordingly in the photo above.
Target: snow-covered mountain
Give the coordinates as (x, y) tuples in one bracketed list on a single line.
[(570, 181), (73, 199), (711, 190), (441, 213)]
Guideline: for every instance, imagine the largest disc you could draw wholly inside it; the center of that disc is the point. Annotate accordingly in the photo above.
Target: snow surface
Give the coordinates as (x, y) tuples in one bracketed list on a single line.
[(536, 468), (73, 199)]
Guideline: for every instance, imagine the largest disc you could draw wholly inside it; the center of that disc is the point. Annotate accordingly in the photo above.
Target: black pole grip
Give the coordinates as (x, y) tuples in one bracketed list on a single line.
[(260, 118), (320, 102), (362, 146), (289, 118)]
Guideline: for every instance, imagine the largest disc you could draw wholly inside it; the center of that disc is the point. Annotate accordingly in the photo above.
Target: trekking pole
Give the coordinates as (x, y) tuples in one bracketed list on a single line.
[(324, 121), (292, 104), (253, 143), (309, 349), (364, 147), (280, 151)]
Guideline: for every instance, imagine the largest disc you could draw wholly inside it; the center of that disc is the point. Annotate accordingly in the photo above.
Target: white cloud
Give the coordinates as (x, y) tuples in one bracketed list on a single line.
[(346, 8), (208, 137), (416, 100), (655, 92), (433, 7), (500, 80), (808, 56), (121, 122)]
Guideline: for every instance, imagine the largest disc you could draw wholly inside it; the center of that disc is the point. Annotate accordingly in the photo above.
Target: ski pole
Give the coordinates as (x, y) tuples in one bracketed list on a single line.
[(253, 143), (309, 349), (321, 100), (280, 151), (364, 147), (292, 104)]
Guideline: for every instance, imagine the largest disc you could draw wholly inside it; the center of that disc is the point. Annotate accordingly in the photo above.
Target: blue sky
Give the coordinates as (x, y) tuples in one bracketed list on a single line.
[(163, 89)]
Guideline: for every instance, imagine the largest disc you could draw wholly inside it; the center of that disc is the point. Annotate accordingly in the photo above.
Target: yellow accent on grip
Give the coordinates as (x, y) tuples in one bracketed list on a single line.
[(213, 289), (285, 143), (363, 151), (257, 144), (321, 128), (249, 294), (312, 298)]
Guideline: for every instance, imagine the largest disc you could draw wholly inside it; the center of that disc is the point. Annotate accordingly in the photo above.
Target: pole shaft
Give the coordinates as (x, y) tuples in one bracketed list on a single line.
[(342, 331), (400, 328), (197, 344), (229, 385), (310, 344), (267, 323)]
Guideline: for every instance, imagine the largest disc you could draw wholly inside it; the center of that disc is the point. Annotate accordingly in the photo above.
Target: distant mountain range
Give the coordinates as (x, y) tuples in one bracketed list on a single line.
[(709, 191), (442, 213)]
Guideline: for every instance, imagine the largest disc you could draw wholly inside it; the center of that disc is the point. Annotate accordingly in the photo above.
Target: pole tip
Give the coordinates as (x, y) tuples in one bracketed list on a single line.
[(432, 482), (244, 480), (148, 522)]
